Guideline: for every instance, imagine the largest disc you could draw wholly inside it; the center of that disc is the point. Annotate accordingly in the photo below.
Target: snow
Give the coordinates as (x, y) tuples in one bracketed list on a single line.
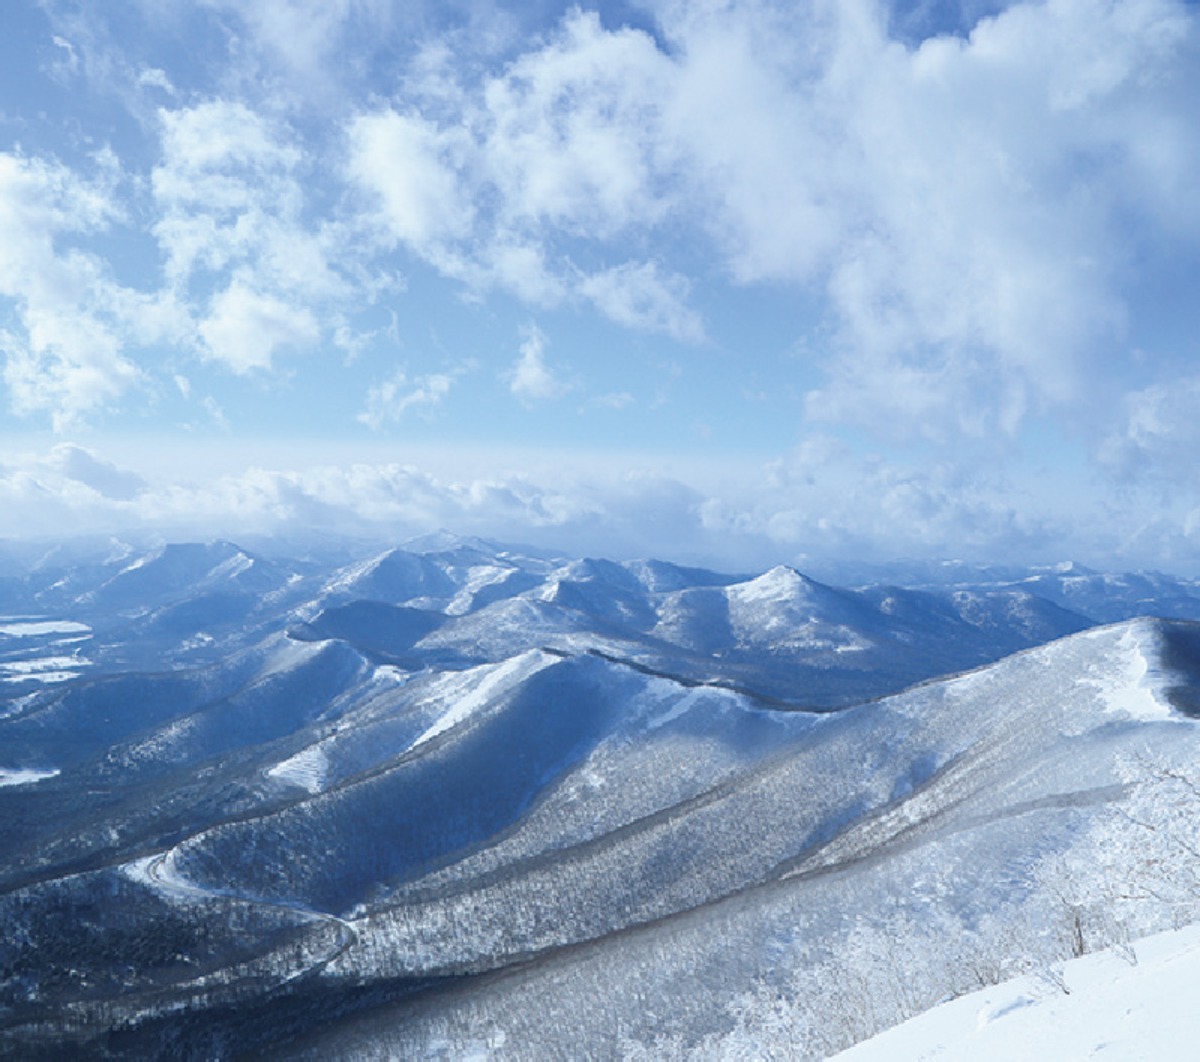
[(42, 669), (38, 628), (24, 664), (233, 567), (24, 775), (158, 872), (350, 576), (481, 695), (662, 692), (478, 577), (779, 584), (287, 655), (685, 704), (722, 864), (307, 769), (1111, 1008), (1126, 684)]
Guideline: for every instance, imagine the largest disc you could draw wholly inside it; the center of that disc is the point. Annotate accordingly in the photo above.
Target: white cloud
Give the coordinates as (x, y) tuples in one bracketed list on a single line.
[(215, 413), (227, 194), (300, 32), (65, 348), (69, 63), (987, 223), (1158, 436), (396, 396), (531, 379), (564, 143), (244, 327), (569, 130), (413, 168), (105, 478), (758, 134), (638, 295), (154, 77), (967, 206), (519, 267), (305, 53), (824, 500), (614, 400), (69, 374), (628, 514), (965, 201), (230, 190)]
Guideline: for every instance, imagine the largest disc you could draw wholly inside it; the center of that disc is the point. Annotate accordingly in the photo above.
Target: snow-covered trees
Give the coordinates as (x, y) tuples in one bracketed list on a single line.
[(1136, 868)]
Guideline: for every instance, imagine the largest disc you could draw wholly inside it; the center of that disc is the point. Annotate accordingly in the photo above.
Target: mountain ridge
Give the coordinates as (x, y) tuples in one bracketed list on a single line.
[(348, 798)]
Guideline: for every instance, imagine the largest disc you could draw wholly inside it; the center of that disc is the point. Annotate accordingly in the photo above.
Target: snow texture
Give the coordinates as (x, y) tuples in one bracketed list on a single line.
[(10, 776), (307, 769), (1133, 1006)]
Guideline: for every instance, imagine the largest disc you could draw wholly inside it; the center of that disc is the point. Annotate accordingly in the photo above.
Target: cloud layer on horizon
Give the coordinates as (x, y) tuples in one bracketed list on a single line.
[(820, 504)]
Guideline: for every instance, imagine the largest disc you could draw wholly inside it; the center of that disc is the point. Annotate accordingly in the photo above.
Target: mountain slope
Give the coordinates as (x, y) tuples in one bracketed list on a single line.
[(629, 849), (458, 797), (935, 871)]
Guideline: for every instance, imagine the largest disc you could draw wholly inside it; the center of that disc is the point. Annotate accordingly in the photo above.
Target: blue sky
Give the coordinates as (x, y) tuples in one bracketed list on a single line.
[(737, 282)]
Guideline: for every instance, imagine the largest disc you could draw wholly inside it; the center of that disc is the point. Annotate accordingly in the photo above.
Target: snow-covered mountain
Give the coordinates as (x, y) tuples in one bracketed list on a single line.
[(459, 798)]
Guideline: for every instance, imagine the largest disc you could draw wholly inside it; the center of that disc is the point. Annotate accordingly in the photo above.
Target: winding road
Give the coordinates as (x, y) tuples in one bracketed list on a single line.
[(158, 873)]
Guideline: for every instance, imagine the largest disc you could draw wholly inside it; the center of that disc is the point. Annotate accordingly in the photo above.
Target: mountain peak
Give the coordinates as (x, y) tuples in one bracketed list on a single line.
[(780, 581)]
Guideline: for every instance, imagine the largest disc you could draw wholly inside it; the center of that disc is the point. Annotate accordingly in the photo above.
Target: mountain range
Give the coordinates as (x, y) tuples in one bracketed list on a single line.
[(459, 797)]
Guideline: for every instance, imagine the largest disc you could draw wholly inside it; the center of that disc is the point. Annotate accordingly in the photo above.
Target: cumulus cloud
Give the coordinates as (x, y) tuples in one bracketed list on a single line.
[(531, 379), (245, 327), (602, 512), (568, 130), (987, 223), (411, 167), (486, 181), (301, 33), (232, 216), (967, 204), (246, 272), (299, 49), (837, 501), (154, 77), (229, 192), (65, 351)]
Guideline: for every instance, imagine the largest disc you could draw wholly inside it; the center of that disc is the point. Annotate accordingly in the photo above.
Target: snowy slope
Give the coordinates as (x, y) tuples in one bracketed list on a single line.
[(1130, 1005), (895, 853)]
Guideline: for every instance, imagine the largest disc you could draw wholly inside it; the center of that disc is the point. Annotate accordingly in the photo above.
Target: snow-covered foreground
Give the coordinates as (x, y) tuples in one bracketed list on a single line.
[(1130, 1005)]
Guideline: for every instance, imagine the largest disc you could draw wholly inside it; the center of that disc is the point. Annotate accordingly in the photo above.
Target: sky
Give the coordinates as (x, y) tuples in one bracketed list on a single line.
[(737, 282)]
